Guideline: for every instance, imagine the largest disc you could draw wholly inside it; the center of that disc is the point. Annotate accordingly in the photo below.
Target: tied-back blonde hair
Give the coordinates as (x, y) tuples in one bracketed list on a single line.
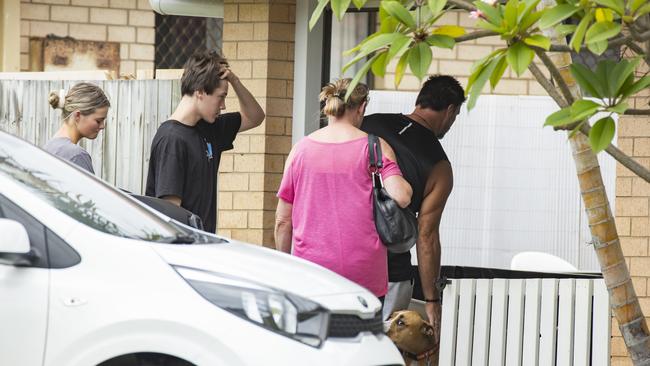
[(333, 94), (82, 97)]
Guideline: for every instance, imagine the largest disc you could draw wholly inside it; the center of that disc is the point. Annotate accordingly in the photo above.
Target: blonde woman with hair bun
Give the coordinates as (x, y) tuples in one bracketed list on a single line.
[(83, 111), (325, 213)]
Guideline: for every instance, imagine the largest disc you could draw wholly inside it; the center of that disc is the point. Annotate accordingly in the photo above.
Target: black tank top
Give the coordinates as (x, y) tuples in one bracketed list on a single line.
[(417, 150)]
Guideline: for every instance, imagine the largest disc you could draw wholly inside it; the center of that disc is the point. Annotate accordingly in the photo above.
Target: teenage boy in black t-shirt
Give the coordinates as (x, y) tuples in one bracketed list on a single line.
[(186, 150), (424, 164)]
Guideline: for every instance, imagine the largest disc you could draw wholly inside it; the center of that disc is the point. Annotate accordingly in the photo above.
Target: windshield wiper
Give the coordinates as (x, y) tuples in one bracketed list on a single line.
[(177, 239)]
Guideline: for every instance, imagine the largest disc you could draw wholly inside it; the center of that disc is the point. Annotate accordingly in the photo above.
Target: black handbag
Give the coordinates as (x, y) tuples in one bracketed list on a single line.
[(397, 227)]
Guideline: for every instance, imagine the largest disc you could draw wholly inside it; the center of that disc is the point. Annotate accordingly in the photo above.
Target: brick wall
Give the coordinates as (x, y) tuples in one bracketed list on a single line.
[(129, 22), (258, 42), (633, 213), (458, 62)]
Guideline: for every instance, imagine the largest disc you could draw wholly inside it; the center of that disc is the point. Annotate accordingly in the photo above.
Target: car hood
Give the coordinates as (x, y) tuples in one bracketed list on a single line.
[(262, 265)]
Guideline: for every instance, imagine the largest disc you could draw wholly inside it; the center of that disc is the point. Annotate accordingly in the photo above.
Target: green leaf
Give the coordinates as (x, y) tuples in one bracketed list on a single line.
[(317, 13), (450, 30), (399, 45), (559, 118), (436, 6), (604, 15), (622, 72), (587, 80), (601, 134), (530, 6), (636, 4), (401, 67), (597, 48), (620, 108), (564, 29), (357, 77), (388, 25), (639, 85), (616, 5), (399, 12), (490, 12), (602, 31), (603, 70), (359, 3), (479, 82), (530, 19), (441, 41), (379, 66), (489, 26), (583, 109), (370, 45), (339, 7), (420, 59), (510, 13), (538, 40), (498, 72), (579, 35), (557, 14), (519, 56), (645, 9)]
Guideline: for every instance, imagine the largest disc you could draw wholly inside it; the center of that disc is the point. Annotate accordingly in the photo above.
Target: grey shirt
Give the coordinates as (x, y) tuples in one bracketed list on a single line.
[(65, 149)]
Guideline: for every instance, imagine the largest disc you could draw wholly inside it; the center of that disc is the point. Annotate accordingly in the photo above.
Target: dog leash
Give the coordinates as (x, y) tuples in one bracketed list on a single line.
[(422, 356)]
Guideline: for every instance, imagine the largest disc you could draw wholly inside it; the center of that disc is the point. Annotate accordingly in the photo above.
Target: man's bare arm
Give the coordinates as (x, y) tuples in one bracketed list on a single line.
[(173, 199), (252, 113), (439, 186)]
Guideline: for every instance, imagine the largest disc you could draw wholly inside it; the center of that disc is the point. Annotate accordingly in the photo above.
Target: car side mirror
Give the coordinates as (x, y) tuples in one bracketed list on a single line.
[(15, 248)]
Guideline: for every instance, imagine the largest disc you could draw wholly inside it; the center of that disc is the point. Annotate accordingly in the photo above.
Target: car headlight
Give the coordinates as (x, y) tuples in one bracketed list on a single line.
[(284, 313)]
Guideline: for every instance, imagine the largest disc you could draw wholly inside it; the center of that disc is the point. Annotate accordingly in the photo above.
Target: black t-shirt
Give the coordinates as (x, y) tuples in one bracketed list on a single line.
[(184, 162), (417, 150)]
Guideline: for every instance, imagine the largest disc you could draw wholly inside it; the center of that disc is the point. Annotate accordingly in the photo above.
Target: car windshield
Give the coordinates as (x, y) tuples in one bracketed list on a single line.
[(85, 198)]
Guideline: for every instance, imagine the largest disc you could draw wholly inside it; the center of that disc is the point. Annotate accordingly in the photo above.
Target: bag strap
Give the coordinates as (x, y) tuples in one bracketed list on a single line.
[(375, 160)]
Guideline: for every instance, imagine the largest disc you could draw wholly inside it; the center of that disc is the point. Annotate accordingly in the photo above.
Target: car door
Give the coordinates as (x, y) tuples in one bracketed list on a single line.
[(24, 296)]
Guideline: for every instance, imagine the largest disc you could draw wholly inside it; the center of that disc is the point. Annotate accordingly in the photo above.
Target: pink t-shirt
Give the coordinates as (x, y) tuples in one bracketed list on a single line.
[(330, 189)]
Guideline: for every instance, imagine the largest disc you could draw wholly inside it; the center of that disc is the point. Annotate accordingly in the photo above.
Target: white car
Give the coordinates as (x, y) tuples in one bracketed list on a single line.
[(90, 276)]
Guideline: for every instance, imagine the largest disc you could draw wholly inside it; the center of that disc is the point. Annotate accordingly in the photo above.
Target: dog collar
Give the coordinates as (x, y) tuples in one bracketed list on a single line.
[(420, 356)]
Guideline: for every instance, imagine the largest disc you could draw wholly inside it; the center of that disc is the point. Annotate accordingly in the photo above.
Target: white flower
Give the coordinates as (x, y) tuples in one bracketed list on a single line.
[(490, 2), (476, 14)]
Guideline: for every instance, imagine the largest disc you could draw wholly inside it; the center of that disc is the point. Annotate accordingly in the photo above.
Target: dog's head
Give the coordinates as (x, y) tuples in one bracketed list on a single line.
[(410, 332)]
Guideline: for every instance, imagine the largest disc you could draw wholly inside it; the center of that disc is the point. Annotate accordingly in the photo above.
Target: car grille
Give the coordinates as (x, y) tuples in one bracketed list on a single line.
[(348, 326)]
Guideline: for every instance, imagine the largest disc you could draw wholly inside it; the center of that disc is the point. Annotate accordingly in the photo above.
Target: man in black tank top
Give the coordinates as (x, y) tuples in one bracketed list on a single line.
[(424, 164)]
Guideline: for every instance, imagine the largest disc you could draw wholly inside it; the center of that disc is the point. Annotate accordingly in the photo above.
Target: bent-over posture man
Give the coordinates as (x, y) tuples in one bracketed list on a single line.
[(424, 164), (186, 150)]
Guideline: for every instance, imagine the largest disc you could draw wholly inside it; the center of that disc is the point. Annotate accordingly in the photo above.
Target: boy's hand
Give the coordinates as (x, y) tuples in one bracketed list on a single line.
[(229, 76)]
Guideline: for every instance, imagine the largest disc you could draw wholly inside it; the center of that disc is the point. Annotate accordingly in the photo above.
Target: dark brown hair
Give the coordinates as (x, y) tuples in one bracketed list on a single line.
[(333, 94), (203, 72)]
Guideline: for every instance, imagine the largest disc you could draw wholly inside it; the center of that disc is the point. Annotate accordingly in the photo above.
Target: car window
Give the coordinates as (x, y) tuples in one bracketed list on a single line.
[(35, 230), (80, 195)]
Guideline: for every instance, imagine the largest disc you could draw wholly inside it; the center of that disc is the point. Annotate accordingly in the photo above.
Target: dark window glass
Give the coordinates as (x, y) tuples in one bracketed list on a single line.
[(178, 37), (35, 230)]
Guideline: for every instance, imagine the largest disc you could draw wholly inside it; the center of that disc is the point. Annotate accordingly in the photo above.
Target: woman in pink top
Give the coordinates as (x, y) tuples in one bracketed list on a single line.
[(324, 213)]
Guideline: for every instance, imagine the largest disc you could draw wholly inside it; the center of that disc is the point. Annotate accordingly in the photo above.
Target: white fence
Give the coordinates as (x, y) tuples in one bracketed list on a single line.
[(512, 322), (120, 154)]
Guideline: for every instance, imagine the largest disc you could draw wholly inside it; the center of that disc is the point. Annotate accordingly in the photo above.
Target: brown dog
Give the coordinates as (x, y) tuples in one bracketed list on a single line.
[(414, 337)]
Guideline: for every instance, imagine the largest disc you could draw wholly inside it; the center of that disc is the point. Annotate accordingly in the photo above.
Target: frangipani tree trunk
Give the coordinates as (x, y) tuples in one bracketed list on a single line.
[(623, 299)]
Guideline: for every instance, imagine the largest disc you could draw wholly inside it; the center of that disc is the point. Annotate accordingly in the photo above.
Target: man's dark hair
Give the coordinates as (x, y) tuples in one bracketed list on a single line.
[(203, 72), (439, 92)]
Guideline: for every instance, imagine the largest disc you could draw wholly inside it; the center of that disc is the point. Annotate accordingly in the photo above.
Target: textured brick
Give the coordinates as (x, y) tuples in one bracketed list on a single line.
[(642, 147), (249, 163), (278, 51), (24, 62), (230, 12), (252, 50), (640, 226), (261, 31), (631, 206), (274, 163), (277, 13), (24, 45), (256, 181), (89, 32), (34, 11), (233, 182), (100, 3), (633, 126), (626, 145), (42, 29), (121, 34), (144, 5), (57, 2), (227, 163), (640, 266), (241, 144), (124, 4), (623, 225), (24, 28), (640, 187), (618, 347), (279, 107), (72, 14), (146, 35), (239, 31), (256, 219), (623, 186), (472, 52), (248, 200), (142, 18), (280, 70), (144, 65), (278, 144), (511, 87), (108, 16), (456, 68), (640, 285), (124, 52), (233, 219), (634, 247), (141, 52), (225, 200), (282, 32), (127, 67)]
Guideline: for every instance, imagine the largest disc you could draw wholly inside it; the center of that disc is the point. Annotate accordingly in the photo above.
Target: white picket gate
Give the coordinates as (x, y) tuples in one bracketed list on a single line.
[(512, 322)]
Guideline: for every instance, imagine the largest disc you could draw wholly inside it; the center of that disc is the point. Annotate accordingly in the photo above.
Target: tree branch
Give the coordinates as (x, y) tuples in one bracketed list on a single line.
[(637, 112), (555, 73), (547, 85), (621, 157), (475, 35)]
